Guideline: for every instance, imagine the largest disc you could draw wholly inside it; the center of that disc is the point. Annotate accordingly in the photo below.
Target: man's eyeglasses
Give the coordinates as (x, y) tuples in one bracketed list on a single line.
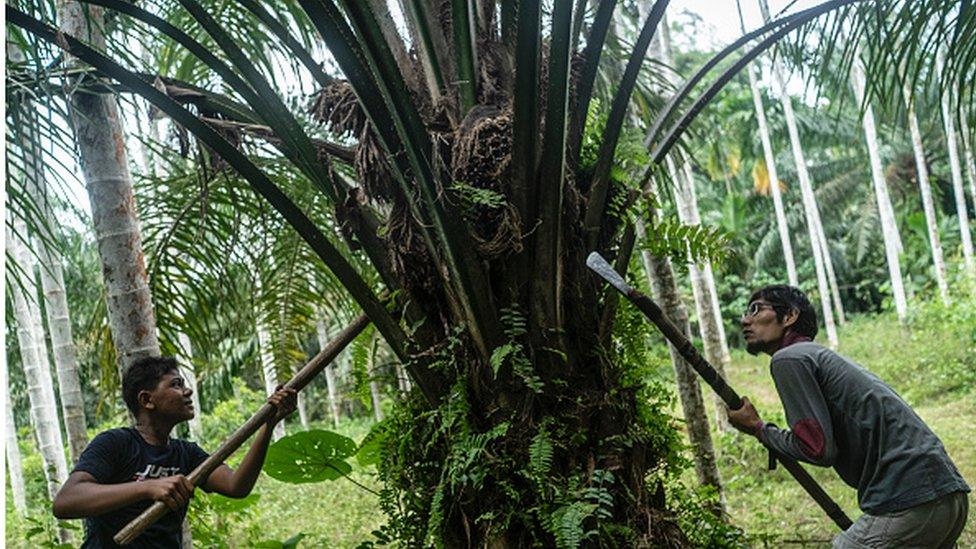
[(755, 307)]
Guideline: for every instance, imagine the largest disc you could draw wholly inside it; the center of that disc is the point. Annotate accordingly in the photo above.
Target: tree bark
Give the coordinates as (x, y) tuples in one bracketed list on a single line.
[(265, 351), (767, 144), (956, 170), (661, 279), (806, 192), (40, 386), (189, 375), (52, 284), (925, 188), (889, 228), (322, 331), (970, 162), (104, 165), (15, 470)]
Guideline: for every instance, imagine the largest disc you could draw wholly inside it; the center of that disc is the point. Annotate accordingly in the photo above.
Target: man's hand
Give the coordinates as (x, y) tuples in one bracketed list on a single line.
[(746, 419), (174, 491), (285, 401)]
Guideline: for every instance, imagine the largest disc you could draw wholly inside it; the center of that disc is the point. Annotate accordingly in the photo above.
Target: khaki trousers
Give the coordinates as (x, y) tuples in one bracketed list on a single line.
[(933, 525)]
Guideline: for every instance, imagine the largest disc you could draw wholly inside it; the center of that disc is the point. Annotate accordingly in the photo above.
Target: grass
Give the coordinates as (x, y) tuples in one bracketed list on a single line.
[(929, 365)]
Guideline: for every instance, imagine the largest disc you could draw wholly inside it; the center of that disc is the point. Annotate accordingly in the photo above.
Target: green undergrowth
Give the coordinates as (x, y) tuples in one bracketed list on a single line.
[(930, 361)]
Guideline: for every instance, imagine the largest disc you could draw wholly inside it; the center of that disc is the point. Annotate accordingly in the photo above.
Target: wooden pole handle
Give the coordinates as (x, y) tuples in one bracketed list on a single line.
[(199, 475)]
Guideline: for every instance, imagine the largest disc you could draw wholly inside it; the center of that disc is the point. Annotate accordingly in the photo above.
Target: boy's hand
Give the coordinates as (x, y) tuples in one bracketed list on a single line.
[(174, 491), (746, 419), (285, 401)]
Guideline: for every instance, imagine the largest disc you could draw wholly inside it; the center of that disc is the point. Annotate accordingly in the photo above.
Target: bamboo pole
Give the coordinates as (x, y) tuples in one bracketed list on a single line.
[(318, 363)]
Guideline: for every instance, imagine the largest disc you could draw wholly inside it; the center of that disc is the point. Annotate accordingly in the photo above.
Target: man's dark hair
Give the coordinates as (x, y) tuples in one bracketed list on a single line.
[(786, 298), (143, 375)]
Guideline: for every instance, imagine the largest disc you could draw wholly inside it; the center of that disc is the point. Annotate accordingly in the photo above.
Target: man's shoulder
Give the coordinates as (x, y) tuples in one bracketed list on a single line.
[(114, 436), (802, 350)]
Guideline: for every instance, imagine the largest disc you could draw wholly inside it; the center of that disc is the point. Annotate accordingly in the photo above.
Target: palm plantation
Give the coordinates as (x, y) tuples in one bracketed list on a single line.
[(445, 168)]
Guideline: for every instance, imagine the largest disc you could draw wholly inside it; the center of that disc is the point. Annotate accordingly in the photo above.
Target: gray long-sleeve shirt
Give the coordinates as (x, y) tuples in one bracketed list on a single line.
[(842, 415)]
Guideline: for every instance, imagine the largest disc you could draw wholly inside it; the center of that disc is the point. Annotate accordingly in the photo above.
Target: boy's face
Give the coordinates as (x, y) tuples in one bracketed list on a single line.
[(170, 398)]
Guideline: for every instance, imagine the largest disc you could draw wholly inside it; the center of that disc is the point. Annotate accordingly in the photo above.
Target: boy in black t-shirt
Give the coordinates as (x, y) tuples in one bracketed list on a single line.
[(123, 471)]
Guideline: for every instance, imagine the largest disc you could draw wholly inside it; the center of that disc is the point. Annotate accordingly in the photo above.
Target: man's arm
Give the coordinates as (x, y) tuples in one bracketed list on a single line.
[(810, 437), (238, 483), (83, 496)]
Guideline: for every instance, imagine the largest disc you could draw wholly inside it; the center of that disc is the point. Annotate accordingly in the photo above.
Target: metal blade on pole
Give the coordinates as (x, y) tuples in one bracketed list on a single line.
[(646, 305), (199, 475)]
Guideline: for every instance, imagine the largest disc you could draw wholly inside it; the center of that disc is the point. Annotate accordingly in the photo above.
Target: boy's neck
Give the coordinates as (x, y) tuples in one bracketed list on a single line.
[(155, 433)]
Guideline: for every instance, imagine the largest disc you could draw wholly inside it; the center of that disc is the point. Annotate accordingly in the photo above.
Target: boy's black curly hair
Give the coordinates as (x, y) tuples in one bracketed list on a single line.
[(785, 298), (143, 375)]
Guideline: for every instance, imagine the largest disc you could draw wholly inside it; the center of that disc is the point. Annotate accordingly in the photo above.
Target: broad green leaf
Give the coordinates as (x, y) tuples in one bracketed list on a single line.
[(224, 505), (310, 456)]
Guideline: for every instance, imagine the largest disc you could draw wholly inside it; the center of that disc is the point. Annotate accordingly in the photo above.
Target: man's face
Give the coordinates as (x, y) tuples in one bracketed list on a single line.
[(761, 330), (171, 398)]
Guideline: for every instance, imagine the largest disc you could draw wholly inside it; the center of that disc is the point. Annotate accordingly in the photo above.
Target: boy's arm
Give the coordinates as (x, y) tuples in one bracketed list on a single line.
[(83, 496), (238, 483)]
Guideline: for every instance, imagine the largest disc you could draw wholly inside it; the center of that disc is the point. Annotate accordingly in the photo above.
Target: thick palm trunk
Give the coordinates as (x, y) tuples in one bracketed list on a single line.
[(661, 279), (269, 370), (40, 386), (322, 331), (770, 157), (104, 165), (922, 177), (806, 191), (889, 227), (956, 171), (15, 470)]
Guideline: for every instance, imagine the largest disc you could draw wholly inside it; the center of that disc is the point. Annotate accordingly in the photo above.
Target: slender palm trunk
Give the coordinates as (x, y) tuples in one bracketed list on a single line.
[(322, 331), (970, 162), (104, 165), (56, 306), (189, 375), (268, 368), (661, 279), (806, 192), (781, 224), (770, 159), (40, 385), (889, 227), (956, 170), (15, 470), (922, 176), (374, 384)]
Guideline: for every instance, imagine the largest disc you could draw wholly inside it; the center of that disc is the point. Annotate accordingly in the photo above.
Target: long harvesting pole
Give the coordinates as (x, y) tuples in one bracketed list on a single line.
[(650, 309)]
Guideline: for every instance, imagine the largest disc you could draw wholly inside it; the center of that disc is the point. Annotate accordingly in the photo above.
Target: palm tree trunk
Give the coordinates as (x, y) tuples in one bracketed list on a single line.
[(661, 279), (40, 386), (302, 411), (104, 165), (15, 470), (806, 192), (922, 176), (702, 281), (774, 190), (374, 384), (52, 284), (189, 375), (968, 157), (889, 228), (956, 170), (322, 331), (269, 370)]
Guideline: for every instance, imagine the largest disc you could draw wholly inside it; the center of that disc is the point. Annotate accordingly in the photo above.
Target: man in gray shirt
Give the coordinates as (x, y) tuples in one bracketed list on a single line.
[(840, 415)]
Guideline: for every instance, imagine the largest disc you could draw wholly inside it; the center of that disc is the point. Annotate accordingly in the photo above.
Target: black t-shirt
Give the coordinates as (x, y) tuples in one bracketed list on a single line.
[(121, 455)]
